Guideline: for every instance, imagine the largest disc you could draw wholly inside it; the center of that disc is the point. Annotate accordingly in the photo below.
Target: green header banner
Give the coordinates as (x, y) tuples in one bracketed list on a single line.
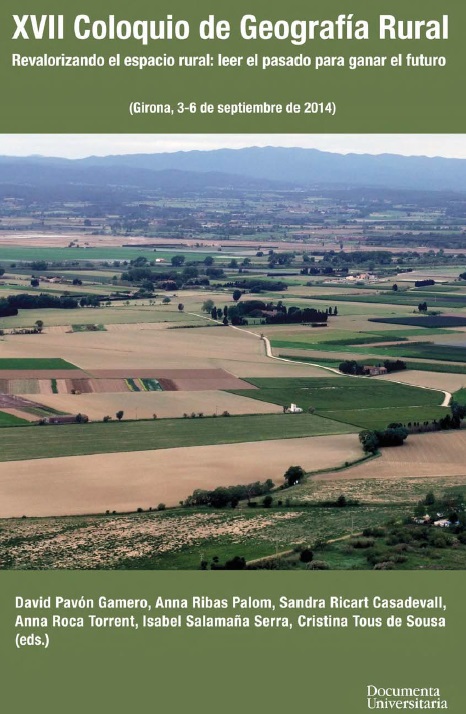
[(248, 66)]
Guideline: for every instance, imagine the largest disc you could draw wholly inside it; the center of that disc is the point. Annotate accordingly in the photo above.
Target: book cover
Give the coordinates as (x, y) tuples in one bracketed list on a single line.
[(232, 355)]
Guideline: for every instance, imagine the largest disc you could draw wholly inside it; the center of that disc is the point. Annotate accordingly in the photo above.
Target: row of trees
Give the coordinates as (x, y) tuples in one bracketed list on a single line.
[(355, 368), (372, 440), (24, 301), (228, 495)]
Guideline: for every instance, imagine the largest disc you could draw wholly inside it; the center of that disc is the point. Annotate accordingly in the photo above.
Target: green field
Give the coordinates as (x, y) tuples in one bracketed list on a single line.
[(11, 420), (419, 350), (398, 298), (35, 363), (339, 393), (36, 442), (25, 253), (421, 366), (151, 385), (380, 418), (426, 350)]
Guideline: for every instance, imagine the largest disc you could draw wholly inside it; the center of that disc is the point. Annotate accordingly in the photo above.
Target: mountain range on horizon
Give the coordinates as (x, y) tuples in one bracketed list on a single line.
[(241, 168)]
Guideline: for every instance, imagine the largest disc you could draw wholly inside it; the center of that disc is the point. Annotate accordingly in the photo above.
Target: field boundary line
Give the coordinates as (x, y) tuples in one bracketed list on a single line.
[(269, 353)]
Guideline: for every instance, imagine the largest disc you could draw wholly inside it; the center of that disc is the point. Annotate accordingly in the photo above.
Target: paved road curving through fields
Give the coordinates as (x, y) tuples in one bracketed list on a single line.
[(269, 353)]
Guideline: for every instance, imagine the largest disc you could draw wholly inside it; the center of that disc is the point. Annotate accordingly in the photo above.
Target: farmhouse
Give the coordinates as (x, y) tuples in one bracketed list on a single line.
[(293, 409), (373, 370)]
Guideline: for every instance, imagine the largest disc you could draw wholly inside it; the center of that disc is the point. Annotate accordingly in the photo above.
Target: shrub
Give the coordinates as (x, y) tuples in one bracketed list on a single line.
[(306, 555), (384, 565), (161, 507), (362, 543), (318, 565)]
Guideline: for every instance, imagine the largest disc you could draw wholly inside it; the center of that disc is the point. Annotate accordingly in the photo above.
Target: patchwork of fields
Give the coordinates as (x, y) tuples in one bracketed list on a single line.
[(200, 406)]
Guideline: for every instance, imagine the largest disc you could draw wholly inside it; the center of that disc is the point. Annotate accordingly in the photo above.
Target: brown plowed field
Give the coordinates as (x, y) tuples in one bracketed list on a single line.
[(104, 386), (81, 385), (45, 386), (168, 385), (11, 401), (435, 455), (183, 379), (42, 374), (126, 481)]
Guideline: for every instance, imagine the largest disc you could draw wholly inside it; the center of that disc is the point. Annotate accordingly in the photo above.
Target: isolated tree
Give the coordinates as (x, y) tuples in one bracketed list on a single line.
[(208, 306), (177, 260), (34, 283), (166, 300), (233, 263), (293, 475), (119, 415), (225, 311), (180, 307), (236, 295), (267, 502), (39, 325), (394, 287), (208, 261)]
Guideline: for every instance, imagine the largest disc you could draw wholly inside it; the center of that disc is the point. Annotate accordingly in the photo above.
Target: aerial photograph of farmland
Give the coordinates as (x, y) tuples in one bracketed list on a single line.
[(233, 357)]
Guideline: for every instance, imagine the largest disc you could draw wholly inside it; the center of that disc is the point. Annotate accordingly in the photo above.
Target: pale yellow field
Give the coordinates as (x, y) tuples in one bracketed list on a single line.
[(143, 479), (236, 351), (436, 380), (433, 454), (142, 405)]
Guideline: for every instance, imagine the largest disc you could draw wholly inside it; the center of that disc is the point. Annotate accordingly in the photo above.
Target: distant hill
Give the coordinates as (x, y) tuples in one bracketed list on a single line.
[(242, 168), (308, 167), (45, 172)]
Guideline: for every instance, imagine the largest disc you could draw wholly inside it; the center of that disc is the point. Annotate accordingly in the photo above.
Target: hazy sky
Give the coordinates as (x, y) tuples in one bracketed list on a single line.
[(79, 145)]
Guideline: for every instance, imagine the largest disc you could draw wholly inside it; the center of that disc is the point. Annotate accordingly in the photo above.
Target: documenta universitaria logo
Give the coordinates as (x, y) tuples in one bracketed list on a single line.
[(404, 698)]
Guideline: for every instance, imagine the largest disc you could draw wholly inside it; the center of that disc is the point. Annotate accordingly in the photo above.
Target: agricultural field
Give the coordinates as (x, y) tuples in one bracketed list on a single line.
[(364, 402), (133, 321), (143, 479), (437, 455), (80, 439), (143, 405)]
